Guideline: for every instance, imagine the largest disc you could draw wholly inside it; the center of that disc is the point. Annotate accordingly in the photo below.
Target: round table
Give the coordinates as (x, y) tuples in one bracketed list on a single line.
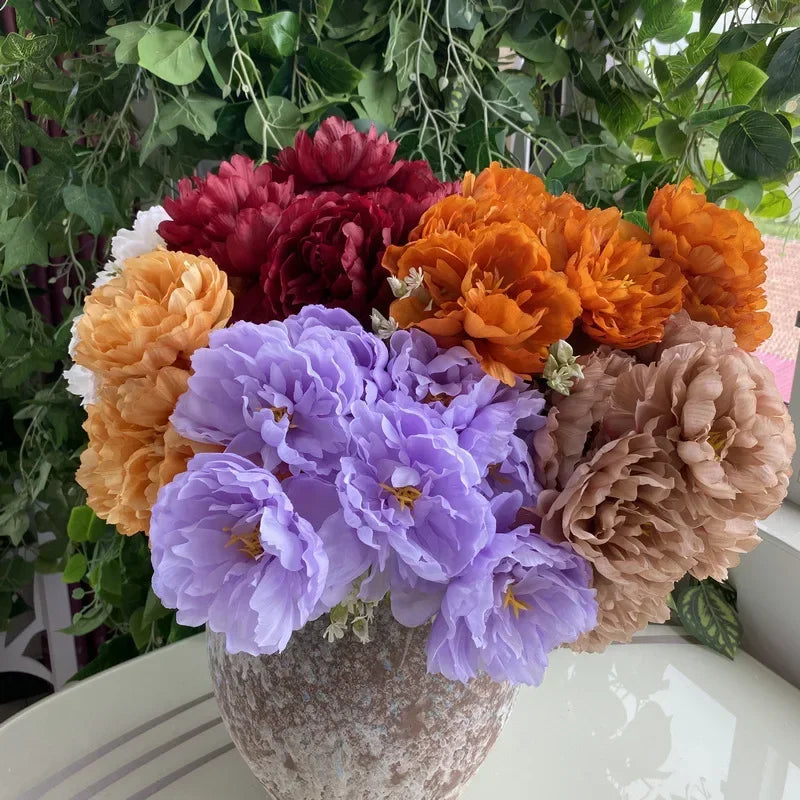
[(659, 719)]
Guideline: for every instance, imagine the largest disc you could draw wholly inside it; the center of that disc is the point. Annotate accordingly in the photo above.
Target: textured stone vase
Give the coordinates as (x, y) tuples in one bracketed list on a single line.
[(352, 721)]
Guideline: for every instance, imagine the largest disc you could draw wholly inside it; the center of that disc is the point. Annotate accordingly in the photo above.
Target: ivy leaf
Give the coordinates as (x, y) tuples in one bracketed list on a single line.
[(23, 244), (550, 60), (755, 146), (171, 54), (784, 72), (154, 138), (197, 112), (9, 191), (128, 36), (153, 608), (91, 203), (569, 161), (18, 49), (283, 121), (776, 203), (277, 38), (705, 613), (747, 192), (75, 568), (464, 14), (84, 525), (83, 623), (637, 218), (9, 129), (140, 630), (333, 72), (710, 12), (407, 48), (670, 138), (378, 92), (744, 81)]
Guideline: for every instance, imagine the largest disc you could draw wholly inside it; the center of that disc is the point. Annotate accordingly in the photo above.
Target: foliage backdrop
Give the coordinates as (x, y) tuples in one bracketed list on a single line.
[(108, 102)]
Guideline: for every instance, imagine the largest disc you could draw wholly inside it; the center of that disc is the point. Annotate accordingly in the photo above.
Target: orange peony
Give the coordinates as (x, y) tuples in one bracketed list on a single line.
[(490, 289), (133, 450), (719, 252), (505, 194), (156, 313), (626, 293)]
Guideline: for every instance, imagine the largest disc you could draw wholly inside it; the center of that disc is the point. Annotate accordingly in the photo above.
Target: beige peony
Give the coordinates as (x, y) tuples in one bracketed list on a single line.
[(155, 314), (571, 421)]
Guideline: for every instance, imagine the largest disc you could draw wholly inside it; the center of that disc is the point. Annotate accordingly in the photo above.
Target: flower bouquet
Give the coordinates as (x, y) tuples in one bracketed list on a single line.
[(394, 440)]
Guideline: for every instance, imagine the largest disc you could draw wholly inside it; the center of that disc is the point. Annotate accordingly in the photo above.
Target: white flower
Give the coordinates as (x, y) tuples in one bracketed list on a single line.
[(109, 271), (561, 368), (383, 328), (409, 284), (143, 238), (397, 286), (82, 382)]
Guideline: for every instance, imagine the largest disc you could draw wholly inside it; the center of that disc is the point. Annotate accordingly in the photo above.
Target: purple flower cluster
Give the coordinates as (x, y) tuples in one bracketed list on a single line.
[(404, 470)]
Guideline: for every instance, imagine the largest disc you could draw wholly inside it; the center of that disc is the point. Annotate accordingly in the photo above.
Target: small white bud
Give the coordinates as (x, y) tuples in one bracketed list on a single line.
[(561, 368), (382, 327), (398, 287)]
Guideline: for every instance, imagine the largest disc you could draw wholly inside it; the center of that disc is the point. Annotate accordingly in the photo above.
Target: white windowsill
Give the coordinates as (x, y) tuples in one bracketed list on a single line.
[(783, 527)]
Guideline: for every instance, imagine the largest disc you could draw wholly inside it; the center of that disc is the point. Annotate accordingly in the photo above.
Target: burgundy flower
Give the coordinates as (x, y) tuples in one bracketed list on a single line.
[(339, 157), (228, 216), (327, 249)]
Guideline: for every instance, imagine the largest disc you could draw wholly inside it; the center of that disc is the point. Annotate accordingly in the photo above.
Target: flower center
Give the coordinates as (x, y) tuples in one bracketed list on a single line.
[(517, 605), (717, 440), (278, 413), (247, 543), (442, 397), (647, 528), (494, 472), (627, 281), (406, 495), (282, 472)]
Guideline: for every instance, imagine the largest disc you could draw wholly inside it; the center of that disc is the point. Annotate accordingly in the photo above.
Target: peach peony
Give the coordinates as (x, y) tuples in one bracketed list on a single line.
[(626, 293), (719, 252), (490, 290), (573, 419), (156, 313), (132, 448), (618, 510)]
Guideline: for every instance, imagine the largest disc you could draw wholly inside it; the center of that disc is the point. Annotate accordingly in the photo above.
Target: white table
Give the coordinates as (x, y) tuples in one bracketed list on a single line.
[(660, 719)]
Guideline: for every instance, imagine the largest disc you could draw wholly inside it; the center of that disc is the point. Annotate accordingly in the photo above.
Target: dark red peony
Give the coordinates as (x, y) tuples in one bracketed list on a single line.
[(228, 216), (327, 249)]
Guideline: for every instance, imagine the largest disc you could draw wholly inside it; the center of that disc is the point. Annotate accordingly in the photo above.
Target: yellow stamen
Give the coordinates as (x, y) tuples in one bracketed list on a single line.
[(718, 440), (444, 399), (278, 413), (406, 495), (627, 281), (494, 472), (511, 600), (247, 543), (647, 528)]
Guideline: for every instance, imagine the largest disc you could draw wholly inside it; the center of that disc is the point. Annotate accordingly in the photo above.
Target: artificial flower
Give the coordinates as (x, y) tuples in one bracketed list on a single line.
[(490, 290), (720, 253), (520, 598), (228, 216), (229, 549), (561, 369), (626, 293), (155, 314)]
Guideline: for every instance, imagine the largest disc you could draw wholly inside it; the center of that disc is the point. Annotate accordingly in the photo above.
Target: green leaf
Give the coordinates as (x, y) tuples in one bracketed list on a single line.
[(113, 652), (277, 38), (715, 114), (20, 49), (665, 20), (755, 146), (178, 632), (569, 161), (22, 244), (128, 36), (171, 54), (637, 218), (670, 138), (710, 12), (75, 568), (140, 630), (550, 60), (620, 114), (333, 73), (197, 112), (283, 121), (84, 525), (747, 192), (406, 49), (690, 81), (10, 129), (705, 613), (153, 608), (744, 81), (784, 72), (83, 623), (154, 138), (93, 204), (464, 14), (378, 92), (743, 37), (248, 5), (775, 204)]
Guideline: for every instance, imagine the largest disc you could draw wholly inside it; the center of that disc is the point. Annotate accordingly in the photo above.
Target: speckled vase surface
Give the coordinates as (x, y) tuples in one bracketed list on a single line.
[(352, 721)]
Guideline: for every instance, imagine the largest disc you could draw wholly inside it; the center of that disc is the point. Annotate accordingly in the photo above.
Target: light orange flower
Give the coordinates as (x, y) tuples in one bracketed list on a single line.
[(720, 253), (490, 289), (627, 294), (156, 313), (133, 449)]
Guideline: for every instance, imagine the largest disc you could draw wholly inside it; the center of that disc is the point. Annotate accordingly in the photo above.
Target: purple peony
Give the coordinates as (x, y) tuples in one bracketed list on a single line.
[(229, 549), (483, 411), (520, 598), (411, 492), (514, 474), (282, 392)]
